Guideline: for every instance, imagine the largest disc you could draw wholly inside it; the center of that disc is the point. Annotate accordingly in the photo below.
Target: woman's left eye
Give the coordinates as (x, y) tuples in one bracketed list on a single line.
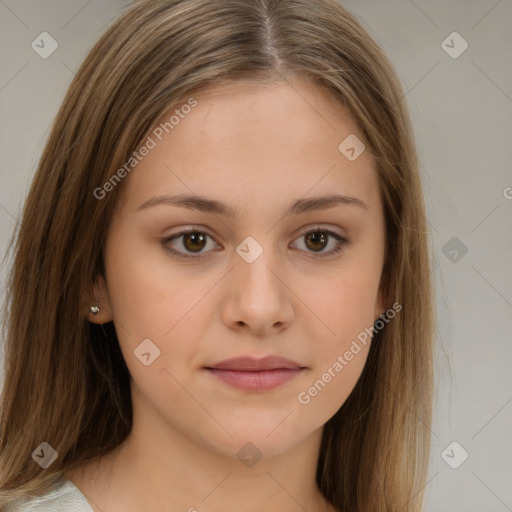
[(194, 241), (318, 238)]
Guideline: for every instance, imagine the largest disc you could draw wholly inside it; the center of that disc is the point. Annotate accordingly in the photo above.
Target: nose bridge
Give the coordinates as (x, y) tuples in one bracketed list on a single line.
[(256, 258), (259, 293)]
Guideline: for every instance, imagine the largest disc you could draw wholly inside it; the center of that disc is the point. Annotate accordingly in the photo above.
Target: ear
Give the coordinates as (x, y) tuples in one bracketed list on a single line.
[(98, 296)]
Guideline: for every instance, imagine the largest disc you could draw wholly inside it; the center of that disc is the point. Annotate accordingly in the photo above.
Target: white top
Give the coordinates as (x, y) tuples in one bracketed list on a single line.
[(64, 497)]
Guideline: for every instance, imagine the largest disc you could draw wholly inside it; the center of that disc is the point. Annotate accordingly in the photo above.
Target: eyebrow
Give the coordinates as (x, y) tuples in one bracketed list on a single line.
[(206, 205)]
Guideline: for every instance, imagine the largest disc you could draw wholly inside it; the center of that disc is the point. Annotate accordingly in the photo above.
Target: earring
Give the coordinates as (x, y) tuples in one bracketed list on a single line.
[(94, 310)]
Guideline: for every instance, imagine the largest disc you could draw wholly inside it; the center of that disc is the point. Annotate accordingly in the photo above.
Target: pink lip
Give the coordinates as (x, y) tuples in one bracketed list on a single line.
[(256, 374)]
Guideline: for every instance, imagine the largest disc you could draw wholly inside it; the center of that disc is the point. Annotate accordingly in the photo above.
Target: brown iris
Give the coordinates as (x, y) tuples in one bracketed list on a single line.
[(317, 237), (194, 241)]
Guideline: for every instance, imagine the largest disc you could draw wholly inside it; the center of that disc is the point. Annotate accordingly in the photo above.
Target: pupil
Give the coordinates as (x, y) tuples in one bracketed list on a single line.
[(317, 238), (195, 238)]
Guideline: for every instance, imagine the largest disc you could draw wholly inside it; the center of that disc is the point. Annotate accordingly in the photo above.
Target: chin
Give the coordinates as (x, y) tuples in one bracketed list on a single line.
[(259, 439)]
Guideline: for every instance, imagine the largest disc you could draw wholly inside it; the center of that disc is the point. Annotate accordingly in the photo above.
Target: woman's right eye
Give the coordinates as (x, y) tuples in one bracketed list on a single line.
[(192, 240)]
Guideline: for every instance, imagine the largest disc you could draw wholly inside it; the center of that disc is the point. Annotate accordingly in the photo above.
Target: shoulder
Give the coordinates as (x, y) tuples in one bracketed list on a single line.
[(64, 497)]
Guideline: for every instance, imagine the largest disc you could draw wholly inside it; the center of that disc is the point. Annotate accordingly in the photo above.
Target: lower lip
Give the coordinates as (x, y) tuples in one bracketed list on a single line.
[(256, 380)]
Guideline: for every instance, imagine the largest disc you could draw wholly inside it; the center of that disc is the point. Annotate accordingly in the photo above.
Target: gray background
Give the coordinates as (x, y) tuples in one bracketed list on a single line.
[(462, 111)]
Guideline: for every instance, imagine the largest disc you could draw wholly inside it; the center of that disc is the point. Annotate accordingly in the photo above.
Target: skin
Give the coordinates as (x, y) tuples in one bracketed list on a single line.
[(257, 149)]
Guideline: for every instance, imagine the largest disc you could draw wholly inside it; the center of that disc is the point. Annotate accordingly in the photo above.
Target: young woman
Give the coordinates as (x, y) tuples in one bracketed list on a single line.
[(220, 297)]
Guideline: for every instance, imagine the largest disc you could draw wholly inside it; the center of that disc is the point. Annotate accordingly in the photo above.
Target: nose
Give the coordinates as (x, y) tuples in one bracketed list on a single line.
[(258, 298)]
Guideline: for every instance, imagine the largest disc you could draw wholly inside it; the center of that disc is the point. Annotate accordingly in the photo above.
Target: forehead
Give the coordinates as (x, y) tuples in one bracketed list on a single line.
[(244, 116), (242, 139)]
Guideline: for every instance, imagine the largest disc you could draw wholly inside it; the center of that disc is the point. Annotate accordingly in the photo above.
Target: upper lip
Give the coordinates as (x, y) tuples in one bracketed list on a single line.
[(253, 364)]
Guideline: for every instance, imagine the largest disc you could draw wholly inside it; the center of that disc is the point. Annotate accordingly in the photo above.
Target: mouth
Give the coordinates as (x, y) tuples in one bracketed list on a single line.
[(256, 374)]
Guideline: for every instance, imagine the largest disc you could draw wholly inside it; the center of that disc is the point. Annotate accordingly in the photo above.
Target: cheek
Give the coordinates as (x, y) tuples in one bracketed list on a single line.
[(152, 298), (342, 342), (343, 304), (344, 310), (148, 294)]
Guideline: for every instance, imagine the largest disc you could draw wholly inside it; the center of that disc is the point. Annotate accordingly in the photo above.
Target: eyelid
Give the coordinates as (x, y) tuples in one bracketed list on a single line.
[(179, 254), (342, 241)]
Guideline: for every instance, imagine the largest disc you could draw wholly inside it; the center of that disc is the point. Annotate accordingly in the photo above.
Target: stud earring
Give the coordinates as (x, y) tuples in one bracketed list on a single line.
[(94, 310)]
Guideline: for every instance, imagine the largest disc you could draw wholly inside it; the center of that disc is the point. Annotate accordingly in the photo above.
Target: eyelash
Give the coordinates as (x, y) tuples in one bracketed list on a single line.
[(342, 242)]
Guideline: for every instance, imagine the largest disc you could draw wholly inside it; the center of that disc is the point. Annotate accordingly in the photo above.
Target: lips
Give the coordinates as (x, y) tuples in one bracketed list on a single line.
[(256, 374), (252, 364)]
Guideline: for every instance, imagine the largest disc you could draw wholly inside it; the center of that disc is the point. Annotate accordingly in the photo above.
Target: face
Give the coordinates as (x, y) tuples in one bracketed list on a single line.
[(264, 271)]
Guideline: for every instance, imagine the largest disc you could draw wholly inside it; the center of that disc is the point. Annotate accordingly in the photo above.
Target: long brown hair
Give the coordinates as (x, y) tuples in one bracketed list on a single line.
[(66, 382)]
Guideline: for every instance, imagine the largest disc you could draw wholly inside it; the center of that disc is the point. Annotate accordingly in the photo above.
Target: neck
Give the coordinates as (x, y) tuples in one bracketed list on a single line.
[(160, 468)]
